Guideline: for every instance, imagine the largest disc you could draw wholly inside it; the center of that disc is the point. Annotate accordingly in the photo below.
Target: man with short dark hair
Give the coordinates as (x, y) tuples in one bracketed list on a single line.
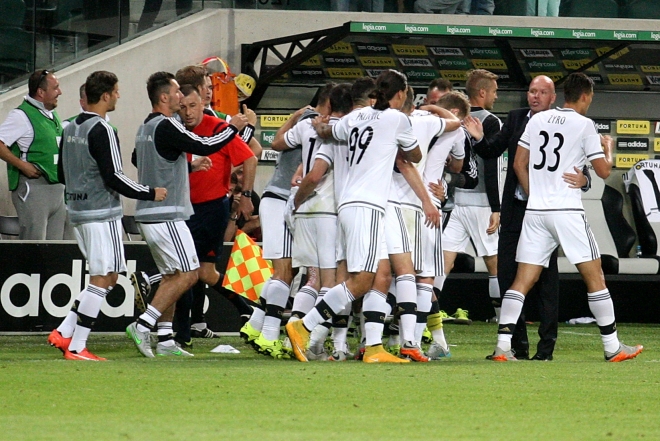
[(29, 144), (91, 169), (540, 97), (437, 88), (555, 142), (208, 194), (160, 147)]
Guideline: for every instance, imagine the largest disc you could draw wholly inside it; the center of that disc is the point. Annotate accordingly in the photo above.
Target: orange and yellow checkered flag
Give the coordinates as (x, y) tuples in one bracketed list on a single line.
[(247, 271)]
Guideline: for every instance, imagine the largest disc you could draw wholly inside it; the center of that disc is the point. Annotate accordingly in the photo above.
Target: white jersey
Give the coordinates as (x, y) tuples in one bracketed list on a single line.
[(450, 143), (322, 203), (373, 137), (426, 126), (558, 140)]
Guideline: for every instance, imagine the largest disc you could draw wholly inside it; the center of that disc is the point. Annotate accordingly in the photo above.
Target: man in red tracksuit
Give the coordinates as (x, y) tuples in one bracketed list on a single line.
[(209, 186)]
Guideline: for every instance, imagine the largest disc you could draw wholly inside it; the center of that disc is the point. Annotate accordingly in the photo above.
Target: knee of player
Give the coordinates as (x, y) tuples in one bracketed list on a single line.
[(190, 278)]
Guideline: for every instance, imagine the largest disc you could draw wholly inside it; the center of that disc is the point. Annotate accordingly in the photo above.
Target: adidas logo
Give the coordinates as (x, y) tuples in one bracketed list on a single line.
[(505, 330)]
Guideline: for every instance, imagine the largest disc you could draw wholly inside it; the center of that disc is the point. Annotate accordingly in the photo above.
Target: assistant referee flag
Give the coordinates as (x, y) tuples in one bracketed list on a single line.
[(247, 271)]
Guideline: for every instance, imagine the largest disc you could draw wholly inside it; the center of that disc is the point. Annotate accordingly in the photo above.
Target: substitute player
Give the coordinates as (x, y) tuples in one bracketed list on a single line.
[(91, 170), (161, 145), (554, 142)]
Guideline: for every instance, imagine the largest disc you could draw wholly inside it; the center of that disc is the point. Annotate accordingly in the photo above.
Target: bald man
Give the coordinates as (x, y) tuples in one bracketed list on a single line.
[(540, 97)]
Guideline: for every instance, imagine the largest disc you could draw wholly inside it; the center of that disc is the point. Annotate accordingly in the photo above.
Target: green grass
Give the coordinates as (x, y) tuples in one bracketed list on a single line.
[(250, 397)]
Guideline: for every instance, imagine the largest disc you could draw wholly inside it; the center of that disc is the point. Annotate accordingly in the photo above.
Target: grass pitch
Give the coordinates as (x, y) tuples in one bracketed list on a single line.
[(251, 397)]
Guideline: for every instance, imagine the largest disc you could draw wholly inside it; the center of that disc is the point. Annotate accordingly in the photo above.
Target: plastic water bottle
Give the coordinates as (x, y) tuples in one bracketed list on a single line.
[(638, 252)]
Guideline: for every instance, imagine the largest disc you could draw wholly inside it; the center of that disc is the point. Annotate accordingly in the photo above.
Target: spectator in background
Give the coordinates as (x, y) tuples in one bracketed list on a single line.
[(477, 7), (251, 226), (29, 144), (437, 6), (543, 8), (358, 5)]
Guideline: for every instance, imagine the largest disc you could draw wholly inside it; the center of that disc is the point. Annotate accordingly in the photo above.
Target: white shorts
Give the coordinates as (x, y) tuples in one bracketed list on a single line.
[(469, 223), (396, 233), (314, 241), (171, 246), (362, 233), (101, 245), (542, 233), (414, 220), (277, 239), (433, 262)]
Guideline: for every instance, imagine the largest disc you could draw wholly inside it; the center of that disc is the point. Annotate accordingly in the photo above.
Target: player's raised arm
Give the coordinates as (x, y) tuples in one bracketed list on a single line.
[(451, 121), (603, 166), (279, 144)]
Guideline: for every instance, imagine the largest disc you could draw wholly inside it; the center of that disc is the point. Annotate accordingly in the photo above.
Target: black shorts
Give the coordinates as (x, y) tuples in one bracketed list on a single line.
[(208, 226)]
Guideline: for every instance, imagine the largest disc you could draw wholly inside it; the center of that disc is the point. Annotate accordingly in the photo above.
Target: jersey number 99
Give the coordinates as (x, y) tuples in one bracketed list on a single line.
[(358, 140)]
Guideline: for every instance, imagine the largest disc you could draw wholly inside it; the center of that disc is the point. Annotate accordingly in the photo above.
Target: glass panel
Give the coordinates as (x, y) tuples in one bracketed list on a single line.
[(16, 43), (37, 34)]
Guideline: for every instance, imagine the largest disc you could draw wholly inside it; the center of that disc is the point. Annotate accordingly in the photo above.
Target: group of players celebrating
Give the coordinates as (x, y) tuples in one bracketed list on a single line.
[(358, 196), (355, 198)]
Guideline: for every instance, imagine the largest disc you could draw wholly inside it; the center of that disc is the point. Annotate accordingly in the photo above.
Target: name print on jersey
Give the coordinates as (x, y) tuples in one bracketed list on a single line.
[(556, 119)]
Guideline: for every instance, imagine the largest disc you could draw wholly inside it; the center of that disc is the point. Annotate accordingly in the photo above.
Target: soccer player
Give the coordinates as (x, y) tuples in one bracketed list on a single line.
[(262, 330), (476, 216), (449, 148), (161, 145), (540, 97), (554, 142), (316, 224), (332, 155), (408, 190), (363, 200), (91, 170)]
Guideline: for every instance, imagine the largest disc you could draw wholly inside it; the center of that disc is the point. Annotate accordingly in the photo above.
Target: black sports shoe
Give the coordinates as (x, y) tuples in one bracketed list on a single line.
[(542, 357), (203, 333), (142, 289), (184, 344)]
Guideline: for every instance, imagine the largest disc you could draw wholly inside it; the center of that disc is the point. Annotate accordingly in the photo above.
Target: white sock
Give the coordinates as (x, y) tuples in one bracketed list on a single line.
[(337, 298), (278, 295), (199, 326), (68, 325), (90, 305), (439, 337), (317, 337), (304, 300), (151, 315), (257, 318), (424, 295), (165, 334), (406, 292), (601, 306), (494, 293), (375, 305), (340, 333), (512, 304)]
